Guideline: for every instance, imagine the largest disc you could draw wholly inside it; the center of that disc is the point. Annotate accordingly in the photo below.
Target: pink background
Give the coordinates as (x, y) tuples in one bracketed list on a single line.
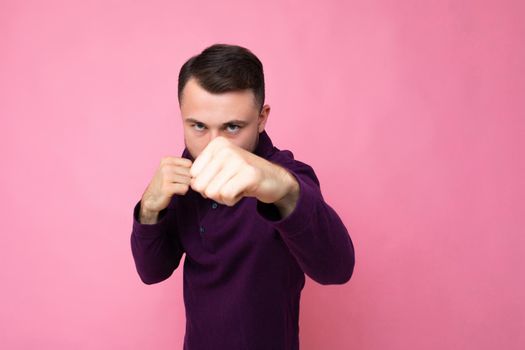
[(411, 113)]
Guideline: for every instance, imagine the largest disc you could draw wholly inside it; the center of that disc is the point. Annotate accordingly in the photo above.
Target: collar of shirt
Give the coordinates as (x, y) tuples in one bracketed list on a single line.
[(263, 149)]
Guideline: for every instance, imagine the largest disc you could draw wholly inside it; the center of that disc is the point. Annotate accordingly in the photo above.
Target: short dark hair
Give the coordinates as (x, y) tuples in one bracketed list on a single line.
[(222, 68)]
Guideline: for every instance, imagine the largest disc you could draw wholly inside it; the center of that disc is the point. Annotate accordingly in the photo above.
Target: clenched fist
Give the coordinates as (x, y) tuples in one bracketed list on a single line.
[(226, 172), (172, 177)]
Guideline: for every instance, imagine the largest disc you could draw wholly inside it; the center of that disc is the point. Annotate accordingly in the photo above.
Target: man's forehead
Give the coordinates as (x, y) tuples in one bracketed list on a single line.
[(198, 102)]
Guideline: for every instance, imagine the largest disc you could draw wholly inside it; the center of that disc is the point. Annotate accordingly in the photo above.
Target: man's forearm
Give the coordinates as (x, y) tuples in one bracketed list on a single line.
[(287, 204), (148, 217)]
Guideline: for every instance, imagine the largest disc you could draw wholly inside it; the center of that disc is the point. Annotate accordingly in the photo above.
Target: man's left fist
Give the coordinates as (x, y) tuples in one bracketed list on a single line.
[(226, 172)]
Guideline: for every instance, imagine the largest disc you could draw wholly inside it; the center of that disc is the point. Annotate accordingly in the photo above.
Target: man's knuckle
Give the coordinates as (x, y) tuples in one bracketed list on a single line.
[(251, 172), (196, 187), (222, 153), (209, 192), (225, 194)]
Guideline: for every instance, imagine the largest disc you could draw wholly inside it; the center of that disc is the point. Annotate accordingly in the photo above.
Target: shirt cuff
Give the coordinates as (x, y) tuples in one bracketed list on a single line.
[(140, 229), (300, 217)]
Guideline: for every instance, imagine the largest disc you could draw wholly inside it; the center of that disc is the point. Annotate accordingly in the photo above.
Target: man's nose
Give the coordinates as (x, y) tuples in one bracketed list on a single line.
[(213, 134)]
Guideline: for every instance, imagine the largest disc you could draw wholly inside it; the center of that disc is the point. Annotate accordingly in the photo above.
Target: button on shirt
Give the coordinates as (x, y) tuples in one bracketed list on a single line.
[(245, 266)]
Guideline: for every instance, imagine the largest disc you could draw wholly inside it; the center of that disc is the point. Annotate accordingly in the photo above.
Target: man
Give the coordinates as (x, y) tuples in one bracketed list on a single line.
[(249, 217)]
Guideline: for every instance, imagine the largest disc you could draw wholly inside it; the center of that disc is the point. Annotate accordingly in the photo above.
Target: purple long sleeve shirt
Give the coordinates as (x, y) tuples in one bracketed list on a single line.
[(244, 267)]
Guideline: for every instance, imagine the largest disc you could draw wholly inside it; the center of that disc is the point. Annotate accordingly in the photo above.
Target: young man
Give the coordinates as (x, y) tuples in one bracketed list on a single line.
[(250, 218)]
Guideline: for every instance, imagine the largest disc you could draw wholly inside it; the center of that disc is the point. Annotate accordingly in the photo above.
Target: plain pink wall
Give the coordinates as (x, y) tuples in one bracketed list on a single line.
[(411, 113)]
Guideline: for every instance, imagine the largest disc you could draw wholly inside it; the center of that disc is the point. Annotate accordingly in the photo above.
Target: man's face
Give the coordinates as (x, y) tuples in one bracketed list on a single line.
[(233, 115)]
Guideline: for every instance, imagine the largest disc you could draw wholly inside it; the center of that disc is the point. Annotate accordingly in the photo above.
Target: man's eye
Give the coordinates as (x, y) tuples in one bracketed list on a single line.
[(233, 127), (198, 127)]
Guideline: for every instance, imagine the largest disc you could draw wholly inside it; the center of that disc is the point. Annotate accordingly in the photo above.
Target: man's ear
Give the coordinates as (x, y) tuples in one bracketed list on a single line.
[(263, 117)]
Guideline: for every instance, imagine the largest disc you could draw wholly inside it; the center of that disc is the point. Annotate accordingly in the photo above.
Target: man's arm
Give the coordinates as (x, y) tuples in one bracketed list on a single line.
[(312, 230), (287, 204), (154, 244), (288, 195)]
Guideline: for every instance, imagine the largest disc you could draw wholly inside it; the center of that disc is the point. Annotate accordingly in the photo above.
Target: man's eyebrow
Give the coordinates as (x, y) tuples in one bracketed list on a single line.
[(233, 121)]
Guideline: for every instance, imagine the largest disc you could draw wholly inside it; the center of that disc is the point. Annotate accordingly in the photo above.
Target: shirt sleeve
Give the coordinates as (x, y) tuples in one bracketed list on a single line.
[(155, 247), (313, 232)]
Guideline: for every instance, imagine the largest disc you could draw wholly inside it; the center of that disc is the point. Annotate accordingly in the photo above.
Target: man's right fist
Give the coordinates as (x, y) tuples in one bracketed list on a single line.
[(172, 177)]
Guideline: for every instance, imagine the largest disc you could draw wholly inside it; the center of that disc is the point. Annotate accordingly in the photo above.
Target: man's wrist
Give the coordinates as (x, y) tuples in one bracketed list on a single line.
[(148, 216), (287, 204)]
